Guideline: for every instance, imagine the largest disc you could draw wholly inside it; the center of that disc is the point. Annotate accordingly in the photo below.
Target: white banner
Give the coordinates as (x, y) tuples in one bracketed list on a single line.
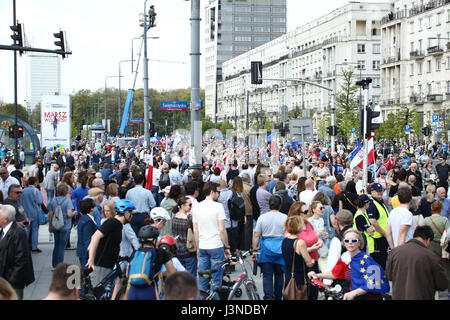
[(55, 122)]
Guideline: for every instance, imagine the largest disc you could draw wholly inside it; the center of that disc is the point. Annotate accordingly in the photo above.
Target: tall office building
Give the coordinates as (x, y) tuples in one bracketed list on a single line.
[(43, 77), (235, 27)]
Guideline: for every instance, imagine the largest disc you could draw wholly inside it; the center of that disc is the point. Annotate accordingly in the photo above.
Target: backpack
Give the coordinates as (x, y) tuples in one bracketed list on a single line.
[(142, 267), (58, 218), (164, 180), (236, 207)]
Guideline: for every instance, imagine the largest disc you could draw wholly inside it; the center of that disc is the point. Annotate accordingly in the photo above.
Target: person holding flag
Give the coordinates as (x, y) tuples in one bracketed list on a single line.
[(367, 278)]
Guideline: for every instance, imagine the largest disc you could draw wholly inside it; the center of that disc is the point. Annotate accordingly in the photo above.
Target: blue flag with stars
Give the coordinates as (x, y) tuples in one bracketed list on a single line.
[(367, 274)]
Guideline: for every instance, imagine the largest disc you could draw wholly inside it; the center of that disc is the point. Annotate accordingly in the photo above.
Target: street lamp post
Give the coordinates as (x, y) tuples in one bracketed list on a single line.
[(106, 103)]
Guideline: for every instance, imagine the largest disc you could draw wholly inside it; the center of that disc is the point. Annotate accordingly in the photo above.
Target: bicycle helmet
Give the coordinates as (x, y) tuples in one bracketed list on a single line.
[(148, 233), (169, 244), (159, 213), (124, 205)]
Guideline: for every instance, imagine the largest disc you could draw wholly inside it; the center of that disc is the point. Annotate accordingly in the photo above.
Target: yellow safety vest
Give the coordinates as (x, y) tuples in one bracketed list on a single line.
[(370, 241), (382, 219)]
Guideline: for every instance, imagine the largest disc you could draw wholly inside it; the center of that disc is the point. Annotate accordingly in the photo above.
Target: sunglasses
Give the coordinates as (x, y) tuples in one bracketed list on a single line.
[(321, 208), (188, 204), (353, 241), (2, 173), (306, 211)]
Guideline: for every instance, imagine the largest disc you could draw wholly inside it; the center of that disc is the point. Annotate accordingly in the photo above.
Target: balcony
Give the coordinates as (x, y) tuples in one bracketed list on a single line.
[(416, 99), (435, 98), (417, 54), (435, 50)]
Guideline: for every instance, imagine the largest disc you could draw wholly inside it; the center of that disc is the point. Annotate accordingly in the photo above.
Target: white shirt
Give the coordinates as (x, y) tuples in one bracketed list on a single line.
[(207, 215), (306, 196), (401, 216), (5, 231), (4, 185)]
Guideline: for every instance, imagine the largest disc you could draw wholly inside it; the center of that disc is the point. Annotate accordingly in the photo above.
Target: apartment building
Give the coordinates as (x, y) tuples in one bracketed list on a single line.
[(416, 60), (347, 37), (232, 28)]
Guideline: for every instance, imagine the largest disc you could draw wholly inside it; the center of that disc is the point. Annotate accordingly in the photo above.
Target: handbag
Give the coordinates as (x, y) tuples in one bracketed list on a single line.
[(190, 239), (291, 291)]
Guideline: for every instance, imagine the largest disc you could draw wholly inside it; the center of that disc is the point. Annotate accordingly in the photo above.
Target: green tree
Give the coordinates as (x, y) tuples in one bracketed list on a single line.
[(323, 123), (8, 109), (347, 109)]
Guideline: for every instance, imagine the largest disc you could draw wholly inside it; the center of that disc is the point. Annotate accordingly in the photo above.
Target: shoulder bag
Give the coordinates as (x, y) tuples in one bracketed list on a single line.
[(291, 292)]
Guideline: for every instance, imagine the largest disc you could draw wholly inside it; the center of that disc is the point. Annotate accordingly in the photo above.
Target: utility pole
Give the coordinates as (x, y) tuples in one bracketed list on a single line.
[(195, 158), (147, 117), (16, 146)]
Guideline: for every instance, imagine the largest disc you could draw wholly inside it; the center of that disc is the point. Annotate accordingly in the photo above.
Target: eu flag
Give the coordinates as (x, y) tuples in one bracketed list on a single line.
[(367, 274)]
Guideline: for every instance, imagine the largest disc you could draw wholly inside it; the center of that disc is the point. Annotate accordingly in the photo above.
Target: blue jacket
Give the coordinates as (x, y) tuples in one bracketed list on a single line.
[(85, 229), (31, 201)]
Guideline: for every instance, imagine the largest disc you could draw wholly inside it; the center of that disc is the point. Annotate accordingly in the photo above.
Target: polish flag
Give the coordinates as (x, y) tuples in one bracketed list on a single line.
[(358, 160)]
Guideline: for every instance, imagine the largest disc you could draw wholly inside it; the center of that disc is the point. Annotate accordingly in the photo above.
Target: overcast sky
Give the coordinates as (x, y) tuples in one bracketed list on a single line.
[(100, 32)]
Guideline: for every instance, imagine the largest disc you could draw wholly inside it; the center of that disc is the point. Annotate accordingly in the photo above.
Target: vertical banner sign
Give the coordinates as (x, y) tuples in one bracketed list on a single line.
[(55, 122)]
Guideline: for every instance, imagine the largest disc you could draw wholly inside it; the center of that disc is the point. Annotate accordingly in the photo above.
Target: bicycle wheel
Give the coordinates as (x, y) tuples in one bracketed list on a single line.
[(204, 295), (252, 292)]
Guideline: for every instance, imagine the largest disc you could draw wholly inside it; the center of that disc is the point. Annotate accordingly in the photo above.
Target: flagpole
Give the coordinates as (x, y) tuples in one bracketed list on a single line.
[(366, 152)]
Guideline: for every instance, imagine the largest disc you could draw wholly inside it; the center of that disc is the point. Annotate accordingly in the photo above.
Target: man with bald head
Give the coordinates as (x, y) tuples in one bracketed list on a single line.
[(308, 194)]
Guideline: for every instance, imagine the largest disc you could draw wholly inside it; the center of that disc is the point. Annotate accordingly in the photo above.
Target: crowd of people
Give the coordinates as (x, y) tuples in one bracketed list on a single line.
[(315, 212)]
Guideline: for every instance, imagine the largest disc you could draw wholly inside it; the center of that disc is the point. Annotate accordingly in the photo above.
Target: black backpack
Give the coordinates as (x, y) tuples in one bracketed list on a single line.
[(164, 180), (236, 207)]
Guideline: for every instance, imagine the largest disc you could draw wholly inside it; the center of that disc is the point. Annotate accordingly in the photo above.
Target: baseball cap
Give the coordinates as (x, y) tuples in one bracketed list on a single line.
[(363, 199), (376, 187)]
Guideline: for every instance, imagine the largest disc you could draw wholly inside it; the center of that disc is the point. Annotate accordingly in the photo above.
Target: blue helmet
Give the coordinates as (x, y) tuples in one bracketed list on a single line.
[(124, 205)]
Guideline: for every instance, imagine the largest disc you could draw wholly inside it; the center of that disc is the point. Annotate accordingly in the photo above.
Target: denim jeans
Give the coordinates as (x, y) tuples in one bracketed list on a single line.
[(190, 264), (209, 259), (61, 238), (154, 191), (273, 280), (50, 194), (34, 229)]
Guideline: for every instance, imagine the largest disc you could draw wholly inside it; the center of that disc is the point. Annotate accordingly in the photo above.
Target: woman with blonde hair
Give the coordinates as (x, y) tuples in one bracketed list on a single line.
[(295, 250), (108, 210), (112, 192), (438, 224), (427, 201)]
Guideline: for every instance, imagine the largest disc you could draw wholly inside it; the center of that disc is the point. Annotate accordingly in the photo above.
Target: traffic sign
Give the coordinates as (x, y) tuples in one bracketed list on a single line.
[(407, 128), (353, 130), (136, 120), (174, 105), (435, 118)]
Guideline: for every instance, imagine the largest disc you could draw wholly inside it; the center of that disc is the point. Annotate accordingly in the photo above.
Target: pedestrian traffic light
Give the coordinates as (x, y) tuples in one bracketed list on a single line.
[(426, 131), (60, 43), (17, 36), (330, 130), (256, 72), (370, 126)]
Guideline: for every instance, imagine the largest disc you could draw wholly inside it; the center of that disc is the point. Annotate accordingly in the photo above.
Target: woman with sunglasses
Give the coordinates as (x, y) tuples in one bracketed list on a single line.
[(362, 223), (365, 276), (181, 222)]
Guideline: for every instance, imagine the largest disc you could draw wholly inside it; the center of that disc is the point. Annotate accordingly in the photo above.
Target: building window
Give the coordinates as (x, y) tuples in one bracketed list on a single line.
[(279, 29), (242, 48), (279, 20), (420, 65), (361, 64), (411, 27), (376, 48), (242, 19), (261, 19), (261, 9), (429, 66), (278, 10), (361, 48), (261, 38), (243, 28), (420, 24), (243, 9), (439, 18), (429, 22), (376, 82), (411, 69), (448, 87), (261, 29), (376, 64), (438, 64), (243, 38)]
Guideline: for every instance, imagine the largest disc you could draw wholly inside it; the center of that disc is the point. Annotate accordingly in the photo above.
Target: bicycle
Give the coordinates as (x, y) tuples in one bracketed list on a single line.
[(104, 289), (232, 290), (334, 293)]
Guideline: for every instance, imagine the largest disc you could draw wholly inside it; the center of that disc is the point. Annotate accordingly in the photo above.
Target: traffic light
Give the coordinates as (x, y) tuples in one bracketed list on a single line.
[(17, 36), (332, 131), (152, 129), (60, 42), (19, 132), (426, 131), (256, 72), (371, 114), (11, 132)]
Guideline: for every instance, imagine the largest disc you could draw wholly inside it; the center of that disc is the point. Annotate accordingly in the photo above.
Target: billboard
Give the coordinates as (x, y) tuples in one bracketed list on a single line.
[(55, 122)]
